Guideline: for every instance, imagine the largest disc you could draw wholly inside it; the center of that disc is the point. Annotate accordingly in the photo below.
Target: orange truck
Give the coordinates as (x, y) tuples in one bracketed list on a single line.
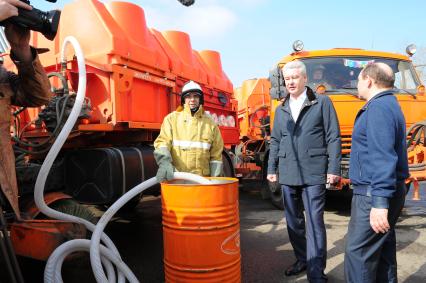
[(334, 73), (134, 77)]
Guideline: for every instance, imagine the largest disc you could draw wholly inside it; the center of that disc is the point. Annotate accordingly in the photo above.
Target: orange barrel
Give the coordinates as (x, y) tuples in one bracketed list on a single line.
[(201, 231)]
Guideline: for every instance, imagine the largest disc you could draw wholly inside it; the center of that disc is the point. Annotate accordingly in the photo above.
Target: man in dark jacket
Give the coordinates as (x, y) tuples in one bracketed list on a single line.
[(378, 169), (306, 141), (29, 88)]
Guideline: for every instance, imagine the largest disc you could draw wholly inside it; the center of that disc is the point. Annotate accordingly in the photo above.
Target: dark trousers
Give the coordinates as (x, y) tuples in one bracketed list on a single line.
[(371, 257), (310, 243)]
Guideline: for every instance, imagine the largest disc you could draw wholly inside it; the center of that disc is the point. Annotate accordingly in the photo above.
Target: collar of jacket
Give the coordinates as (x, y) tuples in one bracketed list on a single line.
[(185, 109), (311, 99), (380, 94)]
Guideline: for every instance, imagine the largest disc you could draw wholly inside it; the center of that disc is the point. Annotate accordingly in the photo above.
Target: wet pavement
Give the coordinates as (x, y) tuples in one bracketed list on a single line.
[(265, 246)]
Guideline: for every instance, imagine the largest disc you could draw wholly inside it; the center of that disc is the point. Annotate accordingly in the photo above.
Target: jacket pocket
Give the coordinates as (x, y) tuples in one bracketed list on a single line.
[(316, 164), (317, 152)]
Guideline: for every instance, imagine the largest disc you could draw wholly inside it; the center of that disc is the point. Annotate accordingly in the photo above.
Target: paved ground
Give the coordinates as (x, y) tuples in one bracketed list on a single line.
[(264, 243), (266, 249)]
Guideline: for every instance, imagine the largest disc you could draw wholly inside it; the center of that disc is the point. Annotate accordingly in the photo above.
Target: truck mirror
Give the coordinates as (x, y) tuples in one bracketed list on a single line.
[(278, 90)]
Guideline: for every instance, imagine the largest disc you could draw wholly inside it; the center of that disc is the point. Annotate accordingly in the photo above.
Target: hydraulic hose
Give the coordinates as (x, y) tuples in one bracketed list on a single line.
[(100, 256)]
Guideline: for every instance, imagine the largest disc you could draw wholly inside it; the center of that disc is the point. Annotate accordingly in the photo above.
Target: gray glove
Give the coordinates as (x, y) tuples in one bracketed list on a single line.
[(165, 168), (165, 172), (216, 169)]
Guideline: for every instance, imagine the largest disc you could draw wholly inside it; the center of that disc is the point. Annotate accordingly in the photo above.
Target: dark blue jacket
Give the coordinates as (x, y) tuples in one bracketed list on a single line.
[(379, 152), (309, 148)]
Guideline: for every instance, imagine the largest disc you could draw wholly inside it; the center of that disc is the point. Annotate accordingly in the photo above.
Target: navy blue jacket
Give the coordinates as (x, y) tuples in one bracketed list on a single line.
[(307, 149), (379, 152)]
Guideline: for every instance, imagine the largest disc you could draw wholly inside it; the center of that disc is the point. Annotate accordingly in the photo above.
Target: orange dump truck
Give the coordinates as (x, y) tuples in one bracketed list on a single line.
[(134, 77), (339, 67)]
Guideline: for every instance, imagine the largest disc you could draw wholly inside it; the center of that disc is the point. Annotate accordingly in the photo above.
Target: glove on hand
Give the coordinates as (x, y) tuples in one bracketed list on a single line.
[(165, 168), (165, 172), (216, 169)]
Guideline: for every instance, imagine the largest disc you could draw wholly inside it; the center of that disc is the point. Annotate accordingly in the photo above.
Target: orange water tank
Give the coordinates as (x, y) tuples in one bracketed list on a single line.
[(213, 61), (182, 58), (201, 231)]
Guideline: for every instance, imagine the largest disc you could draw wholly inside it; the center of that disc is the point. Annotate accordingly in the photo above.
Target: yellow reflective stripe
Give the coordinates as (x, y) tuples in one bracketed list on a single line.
[(216, 161), (192, 144)]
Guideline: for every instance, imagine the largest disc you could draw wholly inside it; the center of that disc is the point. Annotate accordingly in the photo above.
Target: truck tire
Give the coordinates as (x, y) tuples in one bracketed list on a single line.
[(273, 189), (407, 188), (228, 169), (72, 207)]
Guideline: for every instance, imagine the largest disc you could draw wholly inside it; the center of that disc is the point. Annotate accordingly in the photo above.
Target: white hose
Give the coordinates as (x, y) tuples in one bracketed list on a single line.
[(58, 256), (57, 145), (106, 217), (109, 253), (54, 264)]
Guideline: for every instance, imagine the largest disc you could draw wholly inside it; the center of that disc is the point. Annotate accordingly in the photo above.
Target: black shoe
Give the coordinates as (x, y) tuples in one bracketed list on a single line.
[(297, 268)]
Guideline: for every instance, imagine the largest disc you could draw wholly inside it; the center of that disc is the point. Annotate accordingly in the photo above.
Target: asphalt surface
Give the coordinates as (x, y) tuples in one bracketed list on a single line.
[(265, 247)]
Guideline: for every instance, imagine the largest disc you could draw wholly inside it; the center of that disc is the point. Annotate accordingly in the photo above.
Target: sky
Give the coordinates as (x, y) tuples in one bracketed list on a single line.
[(252, 35)]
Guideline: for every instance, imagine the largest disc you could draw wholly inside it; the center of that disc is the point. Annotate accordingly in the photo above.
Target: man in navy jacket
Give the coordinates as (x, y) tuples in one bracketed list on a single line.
[(306, 146), (378, 169)]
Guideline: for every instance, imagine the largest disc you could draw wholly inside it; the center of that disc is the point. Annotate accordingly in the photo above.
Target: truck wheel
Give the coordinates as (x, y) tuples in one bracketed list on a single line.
[(228, 170), (276, 195), (273, 190)]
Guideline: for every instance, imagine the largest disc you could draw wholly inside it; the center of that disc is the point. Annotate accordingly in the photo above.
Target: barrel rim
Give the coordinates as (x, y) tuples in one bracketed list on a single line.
[(230, 179)]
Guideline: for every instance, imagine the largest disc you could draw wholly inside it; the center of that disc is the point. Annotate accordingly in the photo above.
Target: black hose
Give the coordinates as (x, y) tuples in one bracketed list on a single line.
[(59, 117), (416, 131), (253, 114), (55, 132)]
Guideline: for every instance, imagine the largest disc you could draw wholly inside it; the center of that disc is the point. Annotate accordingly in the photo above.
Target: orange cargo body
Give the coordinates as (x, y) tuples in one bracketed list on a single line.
[(254, 103), (201, 231), (135, 73), (128, 77)]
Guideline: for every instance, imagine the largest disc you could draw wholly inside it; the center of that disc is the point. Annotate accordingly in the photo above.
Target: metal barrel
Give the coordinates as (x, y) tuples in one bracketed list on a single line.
[(201, 231)]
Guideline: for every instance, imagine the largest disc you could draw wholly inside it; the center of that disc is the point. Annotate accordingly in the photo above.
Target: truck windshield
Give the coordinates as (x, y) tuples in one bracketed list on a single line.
[(341, 73)]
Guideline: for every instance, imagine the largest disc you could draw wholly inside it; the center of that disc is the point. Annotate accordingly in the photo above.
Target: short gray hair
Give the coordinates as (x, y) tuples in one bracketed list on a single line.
[(296, 64)]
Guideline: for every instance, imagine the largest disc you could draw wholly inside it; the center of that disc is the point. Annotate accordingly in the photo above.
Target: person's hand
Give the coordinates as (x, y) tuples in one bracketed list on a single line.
[(272, 177), (379, 220), (9, 8), (19, 39), (165, 172), (333, 179)]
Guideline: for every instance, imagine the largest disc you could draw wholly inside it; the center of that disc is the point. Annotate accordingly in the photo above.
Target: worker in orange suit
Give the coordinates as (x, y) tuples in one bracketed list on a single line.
[(29, 88), (189, 140)]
